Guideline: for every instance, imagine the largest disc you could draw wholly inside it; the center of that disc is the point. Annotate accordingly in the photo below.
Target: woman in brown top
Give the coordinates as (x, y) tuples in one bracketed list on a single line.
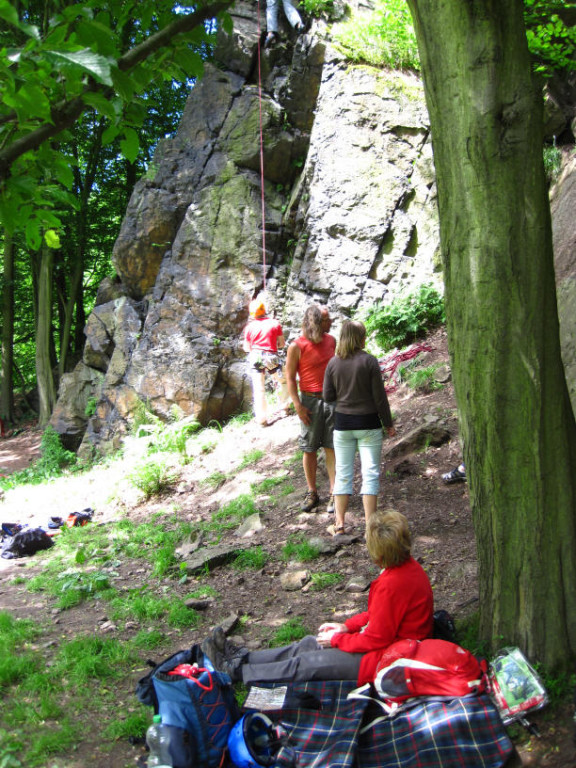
[(354, 382)]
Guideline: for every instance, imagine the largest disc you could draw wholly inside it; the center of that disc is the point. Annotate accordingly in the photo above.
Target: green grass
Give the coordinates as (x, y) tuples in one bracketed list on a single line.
[(54, 461), (153, 476), (421, 379), (254, 559), (233, 513), (215, 480), (298, 547), (252, 457), (44, 702), (383, 38), (292, 630), (267, 485), (322, 581)]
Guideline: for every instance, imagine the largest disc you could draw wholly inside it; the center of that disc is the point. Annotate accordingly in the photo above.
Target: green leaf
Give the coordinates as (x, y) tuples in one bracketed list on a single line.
[(130, 145), (101, 104), (80, 557), (97, 66), (191, 62), (123, 84), (33, 234), (110, 134), (227, 23), (52, 239), (29, 102), (10, 15)]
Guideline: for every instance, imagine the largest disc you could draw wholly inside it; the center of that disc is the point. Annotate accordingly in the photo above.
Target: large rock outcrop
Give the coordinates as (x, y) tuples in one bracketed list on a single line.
[(348, 212)]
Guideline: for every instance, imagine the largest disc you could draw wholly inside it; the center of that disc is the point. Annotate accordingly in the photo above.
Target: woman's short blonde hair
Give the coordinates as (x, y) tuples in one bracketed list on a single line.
[(352, 338), (388, 538)]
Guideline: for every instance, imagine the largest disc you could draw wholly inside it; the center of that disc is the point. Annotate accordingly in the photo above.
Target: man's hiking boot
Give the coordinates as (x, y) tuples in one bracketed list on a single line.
[(224, 655), (330, 508), (311, 500)]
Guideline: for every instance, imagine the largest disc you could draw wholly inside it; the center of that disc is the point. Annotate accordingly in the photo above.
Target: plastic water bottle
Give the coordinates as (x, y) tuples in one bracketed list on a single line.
[(158, 740)]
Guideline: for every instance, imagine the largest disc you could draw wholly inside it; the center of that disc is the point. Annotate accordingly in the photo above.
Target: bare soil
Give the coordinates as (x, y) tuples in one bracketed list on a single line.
[(439, 514)]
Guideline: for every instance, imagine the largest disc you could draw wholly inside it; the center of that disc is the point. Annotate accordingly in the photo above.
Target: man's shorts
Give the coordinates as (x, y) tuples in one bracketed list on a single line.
[(320, 432)]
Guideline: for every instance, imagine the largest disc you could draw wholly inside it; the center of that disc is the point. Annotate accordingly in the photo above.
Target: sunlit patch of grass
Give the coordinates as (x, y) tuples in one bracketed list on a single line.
[(251, 458), (215, 480), (322, 581), (268, 484), (298, 547), (232, 514), (204, 591), (292, 630)]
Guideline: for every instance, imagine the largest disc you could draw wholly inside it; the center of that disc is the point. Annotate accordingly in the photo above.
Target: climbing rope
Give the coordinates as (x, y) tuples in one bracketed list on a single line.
[(262, 201)]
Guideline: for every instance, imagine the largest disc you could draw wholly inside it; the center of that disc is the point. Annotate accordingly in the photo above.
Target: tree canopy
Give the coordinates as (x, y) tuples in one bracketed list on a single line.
[(59, 60)]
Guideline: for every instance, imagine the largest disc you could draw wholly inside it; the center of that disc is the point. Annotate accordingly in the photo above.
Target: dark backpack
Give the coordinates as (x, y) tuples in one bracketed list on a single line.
[(197, 703), (26, 542), (444, 627)]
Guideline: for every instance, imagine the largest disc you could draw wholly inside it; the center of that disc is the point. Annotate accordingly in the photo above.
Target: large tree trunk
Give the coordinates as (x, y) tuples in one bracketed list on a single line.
[(516, 421), (44, 376), (7, 378)]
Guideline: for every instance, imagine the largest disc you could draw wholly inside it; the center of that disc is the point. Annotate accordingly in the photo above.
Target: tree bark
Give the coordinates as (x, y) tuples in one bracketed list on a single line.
[(44, 376), (517, 425), (7, 385)]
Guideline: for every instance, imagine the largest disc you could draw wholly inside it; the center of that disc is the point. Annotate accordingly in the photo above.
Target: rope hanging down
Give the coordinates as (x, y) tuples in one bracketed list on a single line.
[(262, 202)]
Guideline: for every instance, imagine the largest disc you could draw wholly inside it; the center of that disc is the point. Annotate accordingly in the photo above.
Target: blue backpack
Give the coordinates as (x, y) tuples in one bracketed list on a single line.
[(197, 703)]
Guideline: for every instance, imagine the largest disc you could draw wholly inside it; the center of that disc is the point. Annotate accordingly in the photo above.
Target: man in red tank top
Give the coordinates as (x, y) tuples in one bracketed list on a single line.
[(307, 359)]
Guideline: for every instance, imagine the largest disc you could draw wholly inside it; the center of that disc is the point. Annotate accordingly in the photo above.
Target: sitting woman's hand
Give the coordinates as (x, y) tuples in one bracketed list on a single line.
[(332, 626)]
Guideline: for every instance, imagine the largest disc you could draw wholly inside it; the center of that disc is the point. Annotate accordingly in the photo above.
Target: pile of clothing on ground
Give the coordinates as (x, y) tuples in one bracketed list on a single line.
[(21, 540)]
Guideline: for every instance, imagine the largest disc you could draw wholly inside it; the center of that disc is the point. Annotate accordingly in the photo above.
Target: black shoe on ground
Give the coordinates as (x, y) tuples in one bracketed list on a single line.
[(458, 474)]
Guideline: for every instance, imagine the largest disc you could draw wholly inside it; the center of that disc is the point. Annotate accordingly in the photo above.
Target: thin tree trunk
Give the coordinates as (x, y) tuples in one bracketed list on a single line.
[(7, 385), (44, 376), (516, 420)]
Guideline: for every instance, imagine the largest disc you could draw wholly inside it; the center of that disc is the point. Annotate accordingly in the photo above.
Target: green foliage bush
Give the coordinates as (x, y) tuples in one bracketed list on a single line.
[(152, 477), (54, 459), (551, 42), (383, 38), (421, 379), (406, 318), (318, 8), (552, 162)]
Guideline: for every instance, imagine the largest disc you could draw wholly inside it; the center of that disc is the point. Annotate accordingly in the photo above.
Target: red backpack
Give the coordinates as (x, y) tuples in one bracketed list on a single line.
[(410, 668)]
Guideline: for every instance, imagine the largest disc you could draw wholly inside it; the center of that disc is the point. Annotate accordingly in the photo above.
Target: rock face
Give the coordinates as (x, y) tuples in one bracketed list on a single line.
[(563, 204), (348, 214), (345, 216)]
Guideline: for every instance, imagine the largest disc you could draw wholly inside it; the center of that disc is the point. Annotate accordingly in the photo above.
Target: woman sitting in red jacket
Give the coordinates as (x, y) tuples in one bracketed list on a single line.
[(400, 606)]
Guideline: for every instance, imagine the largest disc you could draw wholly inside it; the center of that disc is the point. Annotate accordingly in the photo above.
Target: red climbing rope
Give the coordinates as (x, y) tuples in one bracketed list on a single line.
[(263, 205)]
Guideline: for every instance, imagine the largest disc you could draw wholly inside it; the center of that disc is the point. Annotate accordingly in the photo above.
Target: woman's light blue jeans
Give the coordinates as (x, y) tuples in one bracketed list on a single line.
[(368, 443)]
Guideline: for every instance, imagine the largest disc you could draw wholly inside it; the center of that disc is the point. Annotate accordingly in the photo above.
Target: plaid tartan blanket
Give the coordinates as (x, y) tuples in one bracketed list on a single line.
[(455, 733)]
